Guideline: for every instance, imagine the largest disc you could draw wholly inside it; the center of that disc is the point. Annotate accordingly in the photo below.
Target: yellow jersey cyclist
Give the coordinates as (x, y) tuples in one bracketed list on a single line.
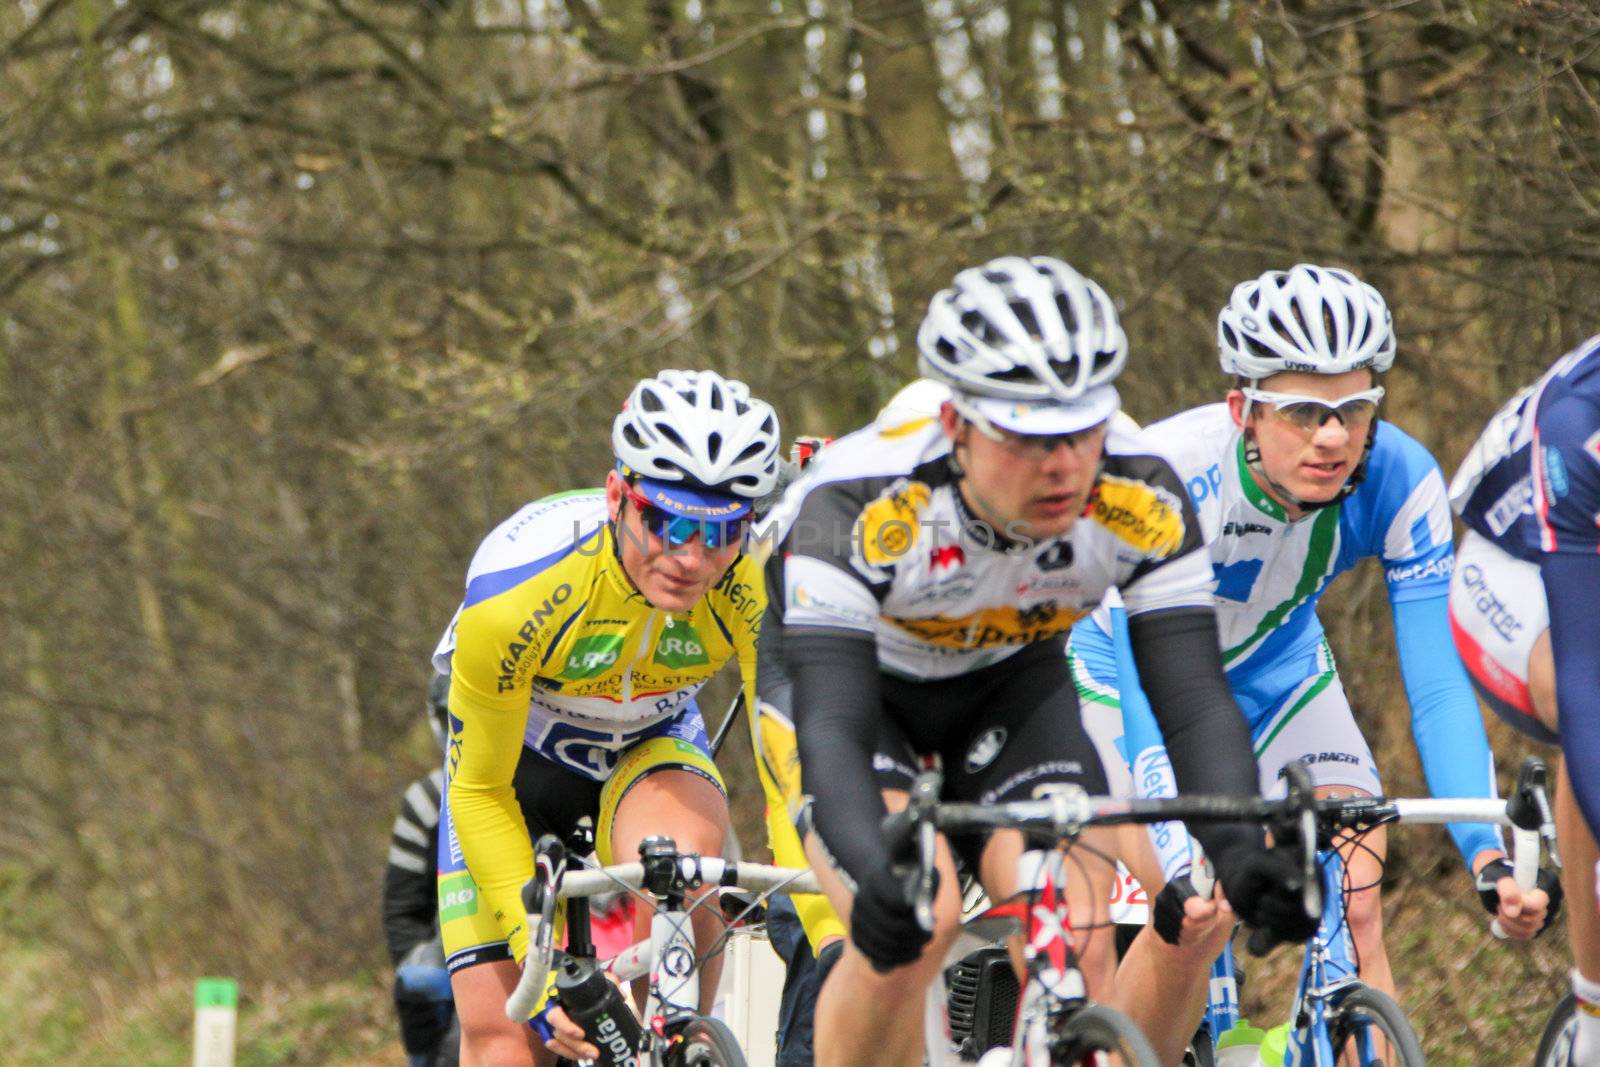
[(928, 575), (590, 620)]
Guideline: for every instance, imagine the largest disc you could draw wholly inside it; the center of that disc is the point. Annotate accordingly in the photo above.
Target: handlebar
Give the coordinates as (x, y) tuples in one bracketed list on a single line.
[(553, 880), (1068, 811), (1300, 822)]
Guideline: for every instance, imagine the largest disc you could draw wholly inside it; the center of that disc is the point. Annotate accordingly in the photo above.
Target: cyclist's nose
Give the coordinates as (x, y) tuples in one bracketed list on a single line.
[(1061, 457), (1333, 433)]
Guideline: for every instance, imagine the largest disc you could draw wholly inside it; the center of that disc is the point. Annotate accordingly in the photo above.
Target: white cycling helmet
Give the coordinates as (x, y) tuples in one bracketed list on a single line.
[(1023, 330), (701, 428), (1318, 319)]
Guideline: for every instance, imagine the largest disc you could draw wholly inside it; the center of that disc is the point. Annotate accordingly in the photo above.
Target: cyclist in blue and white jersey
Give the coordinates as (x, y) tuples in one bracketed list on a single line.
[(1522, 607), (1296, 480)]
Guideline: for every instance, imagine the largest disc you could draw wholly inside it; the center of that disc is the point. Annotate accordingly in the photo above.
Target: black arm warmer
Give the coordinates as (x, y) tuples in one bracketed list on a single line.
[(1207, 737), (836, 711), (410, 909)]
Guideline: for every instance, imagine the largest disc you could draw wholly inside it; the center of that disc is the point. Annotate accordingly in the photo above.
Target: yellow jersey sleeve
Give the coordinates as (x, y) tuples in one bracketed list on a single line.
[(498, 643)]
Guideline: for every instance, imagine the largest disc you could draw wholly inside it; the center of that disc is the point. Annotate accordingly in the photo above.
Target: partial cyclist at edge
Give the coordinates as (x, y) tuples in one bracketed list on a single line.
[(411, 910), (1296, 479), (590, 620), (1522, 604), (926, 577)]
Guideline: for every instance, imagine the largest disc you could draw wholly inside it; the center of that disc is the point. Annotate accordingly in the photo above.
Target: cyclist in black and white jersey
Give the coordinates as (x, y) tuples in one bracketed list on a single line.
[(926, 577), (411, 909)]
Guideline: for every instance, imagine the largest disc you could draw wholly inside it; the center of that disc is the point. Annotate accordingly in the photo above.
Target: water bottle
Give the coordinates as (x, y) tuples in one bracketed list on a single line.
[(1240, 1046), (594, 1002)]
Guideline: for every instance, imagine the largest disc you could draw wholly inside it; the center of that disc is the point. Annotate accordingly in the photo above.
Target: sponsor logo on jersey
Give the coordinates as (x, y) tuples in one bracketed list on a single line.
[(1510, 505), (945, 559), (1203, 485), (958, 586), (1494, 610), (887, 528), (985, 749), (458, 897), (991, 627), (744, 596), (1242, 529), (591, 656), (1143, 515), (1048, 583), (811, 600), (1058, 556), (1415, 572), (512, 670), (1555, 473), (1058, 767), (453, 744), (680, 646)]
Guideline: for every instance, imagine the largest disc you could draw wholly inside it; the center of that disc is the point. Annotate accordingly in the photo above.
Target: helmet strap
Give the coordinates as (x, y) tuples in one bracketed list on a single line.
[(1252, 459)]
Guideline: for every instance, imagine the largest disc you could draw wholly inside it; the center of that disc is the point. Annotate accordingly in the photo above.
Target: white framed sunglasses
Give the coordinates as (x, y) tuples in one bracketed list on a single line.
[(1311, 412)]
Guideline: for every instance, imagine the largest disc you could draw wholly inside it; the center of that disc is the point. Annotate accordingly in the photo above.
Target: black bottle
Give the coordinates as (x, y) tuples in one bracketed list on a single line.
[(594, 1002)]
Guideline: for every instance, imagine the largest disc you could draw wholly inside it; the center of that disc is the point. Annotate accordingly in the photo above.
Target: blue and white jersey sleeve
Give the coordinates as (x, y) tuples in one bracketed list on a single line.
[(1401, 515)]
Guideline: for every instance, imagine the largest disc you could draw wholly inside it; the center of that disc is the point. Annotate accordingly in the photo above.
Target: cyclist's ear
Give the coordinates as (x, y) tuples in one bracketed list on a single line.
[(1236, 404), (614, 487)]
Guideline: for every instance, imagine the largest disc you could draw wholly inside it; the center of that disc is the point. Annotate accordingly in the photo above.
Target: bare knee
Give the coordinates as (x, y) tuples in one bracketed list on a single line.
[(1364, 913)]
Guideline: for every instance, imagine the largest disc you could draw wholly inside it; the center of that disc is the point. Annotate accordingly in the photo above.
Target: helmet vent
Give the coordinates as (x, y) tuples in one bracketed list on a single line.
[(1025, 315), (714, 446), (1064, 306)]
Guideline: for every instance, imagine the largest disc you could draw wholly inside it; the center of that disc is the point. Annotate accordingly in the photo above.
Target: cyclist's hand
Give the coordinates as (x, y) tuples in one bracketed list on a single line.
[(1522, 914), (1265, 888), (1181, 915), (883, 922), (564, 1037)]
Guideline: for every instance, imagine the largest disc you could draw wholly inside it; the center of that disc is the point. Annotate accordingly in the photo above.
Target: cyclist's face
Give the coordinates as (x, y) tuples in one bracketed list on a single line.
[(671, 577), (1026, 485), (1311, 461)]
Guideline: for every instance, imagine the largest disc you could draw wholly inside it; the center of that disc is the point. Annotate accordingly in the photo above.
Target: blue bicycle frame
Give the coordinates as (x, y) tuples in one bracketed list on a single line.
[(1328, 972)]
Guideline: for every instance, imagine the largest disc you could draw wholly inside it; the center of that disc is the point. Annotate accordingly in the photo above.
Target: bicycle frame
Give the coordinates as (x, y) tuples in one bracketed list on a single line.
[(670, 956), (1054, 986), (1328, 970)]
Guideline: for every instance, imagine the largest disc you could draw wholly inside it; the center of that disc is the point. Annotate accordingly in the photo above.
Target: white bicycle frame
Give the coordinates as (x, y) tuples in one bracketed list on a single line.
[(669, 957)]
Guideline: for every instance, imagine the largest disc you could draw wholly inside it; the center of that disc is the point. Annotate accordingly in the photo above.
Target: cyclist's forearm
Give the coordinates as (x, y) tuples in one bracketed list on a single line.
[(1207, 738), (1444, 716), (836, 710)]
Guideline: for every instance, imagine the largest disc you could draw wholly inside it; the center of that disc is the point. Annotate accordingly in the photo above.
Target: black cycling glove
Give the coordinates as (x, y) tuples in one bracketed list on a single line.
[(1168, 910), (1484, 881), (883, 921), (1266, 888)]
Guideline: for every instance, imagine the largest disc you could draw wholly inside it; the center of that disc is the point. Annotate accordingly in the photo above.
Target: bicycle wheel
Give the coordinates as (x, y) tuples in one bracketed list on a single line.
[(1368, 1028), (1201, 1052), (1555, 1046), (706, 1043), (1095, 1030)]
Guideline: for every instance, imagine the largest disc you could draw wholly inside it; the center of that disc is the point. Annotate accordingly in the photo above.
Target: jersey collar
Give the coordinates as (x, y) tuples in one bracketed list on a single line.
[(1252, 491)]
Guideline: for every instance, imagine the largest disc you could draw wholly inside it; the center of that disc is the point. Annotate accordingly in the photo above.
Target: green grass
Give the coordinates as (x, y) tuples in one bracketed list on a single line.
[(344, 1024)]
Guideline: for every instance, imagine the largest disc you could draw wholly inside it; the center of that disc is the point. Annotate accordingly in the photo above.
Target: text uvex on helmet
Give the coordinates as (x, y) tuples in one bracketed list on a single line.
[(701, 428), (1022, 329), (1317, 319)]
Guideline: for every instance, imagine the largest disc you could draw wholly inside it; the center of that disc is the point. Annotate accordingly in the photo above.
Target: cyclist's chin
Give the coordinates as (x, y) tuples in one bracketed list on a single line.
[(672, 594)]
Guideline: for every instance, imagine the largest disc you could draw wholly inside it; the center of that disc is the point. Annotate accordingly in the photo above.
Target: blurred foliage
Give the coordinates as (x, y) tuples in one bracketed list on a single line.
[(298, 299)]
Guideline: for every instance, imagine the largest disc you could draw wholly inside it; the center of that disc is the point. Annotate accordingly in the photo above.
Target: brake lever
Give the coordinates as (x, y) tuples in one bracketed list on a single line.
[(1301, 801)]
